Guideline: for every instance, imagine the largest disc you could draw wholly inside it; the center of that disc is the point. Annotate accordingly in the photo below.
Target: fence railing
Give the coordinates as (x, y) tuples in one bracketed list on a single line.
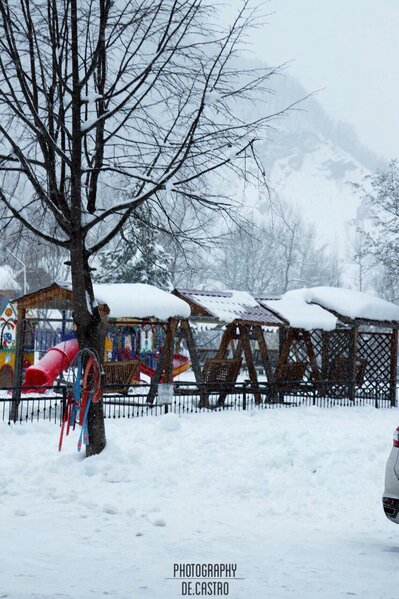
[(48, 403)]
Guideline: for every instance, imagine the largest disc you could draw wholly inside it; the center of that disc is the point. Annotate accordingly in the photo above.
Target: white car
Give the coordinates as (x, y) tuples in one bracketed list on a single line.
[(390, 499)]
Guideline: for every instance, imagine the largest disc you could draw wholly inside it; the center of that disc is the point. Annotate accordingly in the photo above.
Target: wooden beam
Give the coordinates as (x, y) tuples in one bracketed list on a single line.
[(311, 355), (153, 390), (324, 356), (238, 350), (286, 346), (169, 349), (246, 345), (192, 350), (264, 352), (352, 362), (393, 366), (18, 365), (228, 335), (165, 362)]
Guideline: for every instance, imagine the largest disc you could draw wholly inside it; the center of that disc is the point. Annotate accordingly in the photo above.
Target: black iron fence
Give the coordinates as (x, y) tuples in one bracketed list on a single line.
[(49, 403)]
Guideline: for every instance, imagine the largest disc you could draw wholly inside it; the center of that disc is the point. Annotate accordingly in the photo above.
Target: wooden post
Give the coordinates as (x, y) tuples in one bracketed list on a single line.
[(352, 362), (238, 350), (169, 348), (188, 335), (285, 347), (156, 378), (393, 365), (246, 345), (324, 356), (324, 363), (228, 335), (165, 362), (18, 366), (228, 338), (264, 352), (312, 356)]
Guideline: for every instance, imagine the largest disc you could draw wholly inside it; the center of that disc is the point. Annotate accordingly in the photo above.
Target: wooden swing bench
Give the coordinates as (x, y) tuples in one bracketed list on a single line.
[(119, 376), (289, 376), (220, 374), (338, 371)]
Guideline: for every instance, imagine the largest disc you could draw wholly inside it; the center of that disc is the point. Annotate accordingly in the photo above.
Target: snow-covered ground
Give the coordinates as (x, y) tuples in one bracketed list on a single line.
[(292, 496)]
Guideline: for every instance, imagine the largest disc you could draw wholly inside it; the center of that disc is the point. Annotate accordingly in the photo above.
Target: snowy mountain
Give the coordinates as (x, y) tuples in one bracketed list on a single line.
[(317, 180), (312, 162)]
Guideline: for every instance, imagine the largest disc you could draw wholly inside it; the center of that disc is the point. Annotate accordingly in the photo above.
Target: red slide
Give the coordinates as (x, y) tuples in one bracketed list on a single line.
[(57, 359)]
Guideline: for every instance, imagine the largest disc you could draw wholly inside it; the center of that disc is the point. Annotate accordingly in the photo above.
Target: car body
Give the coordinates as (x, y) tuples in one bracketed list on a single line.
[(390, 498)]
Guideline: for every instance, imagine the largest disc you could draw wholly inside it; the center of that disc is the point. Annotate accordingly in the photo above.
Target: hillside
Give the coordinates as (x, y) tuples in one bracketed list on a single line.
[(312, 161)]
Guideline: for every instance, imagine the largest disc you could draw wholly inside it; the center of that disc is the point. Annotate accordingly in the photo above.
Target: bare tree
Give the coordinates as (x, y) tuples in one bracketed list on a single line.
[(107, 104), (275, 256), (44, 262), (377, 232)]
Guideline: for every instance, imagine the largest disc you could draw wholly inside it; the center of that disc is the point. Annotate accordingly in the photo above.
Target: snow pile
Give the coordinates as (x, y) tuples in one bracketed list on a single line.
[(294, 306), (293, 497), (353, 304), (137, 300)]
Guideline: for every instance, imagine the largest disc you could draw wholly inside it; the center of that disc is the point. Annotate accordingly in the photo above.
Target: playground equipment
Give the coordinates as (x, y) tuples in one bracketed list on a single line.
[(57, 359), (60, 357), (180, 364)]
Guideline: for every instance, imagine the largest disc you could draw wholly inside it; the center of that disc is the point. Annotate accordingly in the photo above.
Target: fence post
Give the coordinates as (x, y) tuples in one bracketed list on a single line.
[(244, 396)]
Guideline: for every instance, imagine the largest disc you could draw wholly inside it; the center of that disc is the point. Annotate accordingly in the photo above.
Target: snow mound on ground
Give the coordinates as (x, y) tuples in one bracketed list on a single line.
[(293, 497), (170, 423)]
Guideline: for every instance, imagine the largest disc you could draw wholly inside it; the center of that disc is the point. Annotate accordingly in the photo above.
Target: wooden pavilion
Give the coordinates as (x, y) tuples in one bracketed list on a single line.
[(339, 343), (121, 306), (243, 321), (343, 341)]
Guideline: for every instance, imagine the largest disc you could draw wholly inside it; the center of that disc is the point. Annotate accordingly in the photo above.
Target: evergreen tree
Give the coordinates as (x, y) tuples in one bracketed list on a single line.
[(137, 257)]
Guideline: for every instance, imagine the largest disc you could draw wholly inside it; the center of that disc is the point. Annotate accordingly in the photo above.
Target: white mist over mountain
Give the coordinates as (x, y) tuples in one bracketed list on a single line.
[(349, 127), (312, 162), (348, 50)]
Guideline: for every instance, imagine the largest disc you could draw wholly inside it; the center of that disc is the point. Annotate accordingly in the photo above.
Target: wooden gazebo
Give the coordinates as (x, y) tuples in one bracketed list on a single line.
[(343, 341), (243, 320), (120, 305)]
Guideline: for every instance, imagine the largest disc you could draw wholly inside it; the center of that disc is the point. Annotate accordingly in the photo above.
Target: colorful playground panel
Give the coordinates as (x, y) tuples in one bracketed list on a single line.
[(122, 343), (8, 326)]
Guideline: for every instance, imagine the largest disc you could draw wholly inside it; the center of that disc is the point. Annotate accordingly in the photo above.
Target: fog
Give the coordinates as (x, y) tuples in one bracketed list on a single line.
[(347, 50)]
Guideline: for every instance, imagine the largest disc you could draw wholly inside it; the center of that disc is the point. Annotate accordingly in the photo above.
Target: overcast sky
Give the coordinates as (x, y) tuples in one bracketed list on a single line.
[(348, 47)]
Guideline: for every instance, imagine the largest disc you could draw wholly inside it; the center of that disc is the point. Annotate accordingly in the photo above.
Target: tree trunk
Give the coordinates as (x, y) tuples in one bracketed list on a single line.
[(89, 331)]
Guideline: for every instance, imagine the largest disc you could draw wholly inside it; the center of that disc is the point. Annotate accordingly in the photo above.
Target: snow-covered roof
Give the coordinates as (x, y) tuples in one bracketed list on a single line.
[(228, 306), (138, 300), (123, 300), (295, 309), (7, 279), (353, 304), (309, 308)]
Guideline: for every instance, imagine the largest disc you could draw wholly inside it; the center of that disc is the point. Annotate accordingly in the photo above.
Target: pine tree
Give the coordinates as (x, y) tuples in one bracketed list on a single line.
[(137, 258)]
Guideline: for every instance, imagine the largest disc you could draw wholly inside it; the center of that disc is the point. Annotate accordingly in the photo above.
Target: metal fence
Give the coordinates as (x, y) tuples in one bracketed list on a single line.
[(48, 403)]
